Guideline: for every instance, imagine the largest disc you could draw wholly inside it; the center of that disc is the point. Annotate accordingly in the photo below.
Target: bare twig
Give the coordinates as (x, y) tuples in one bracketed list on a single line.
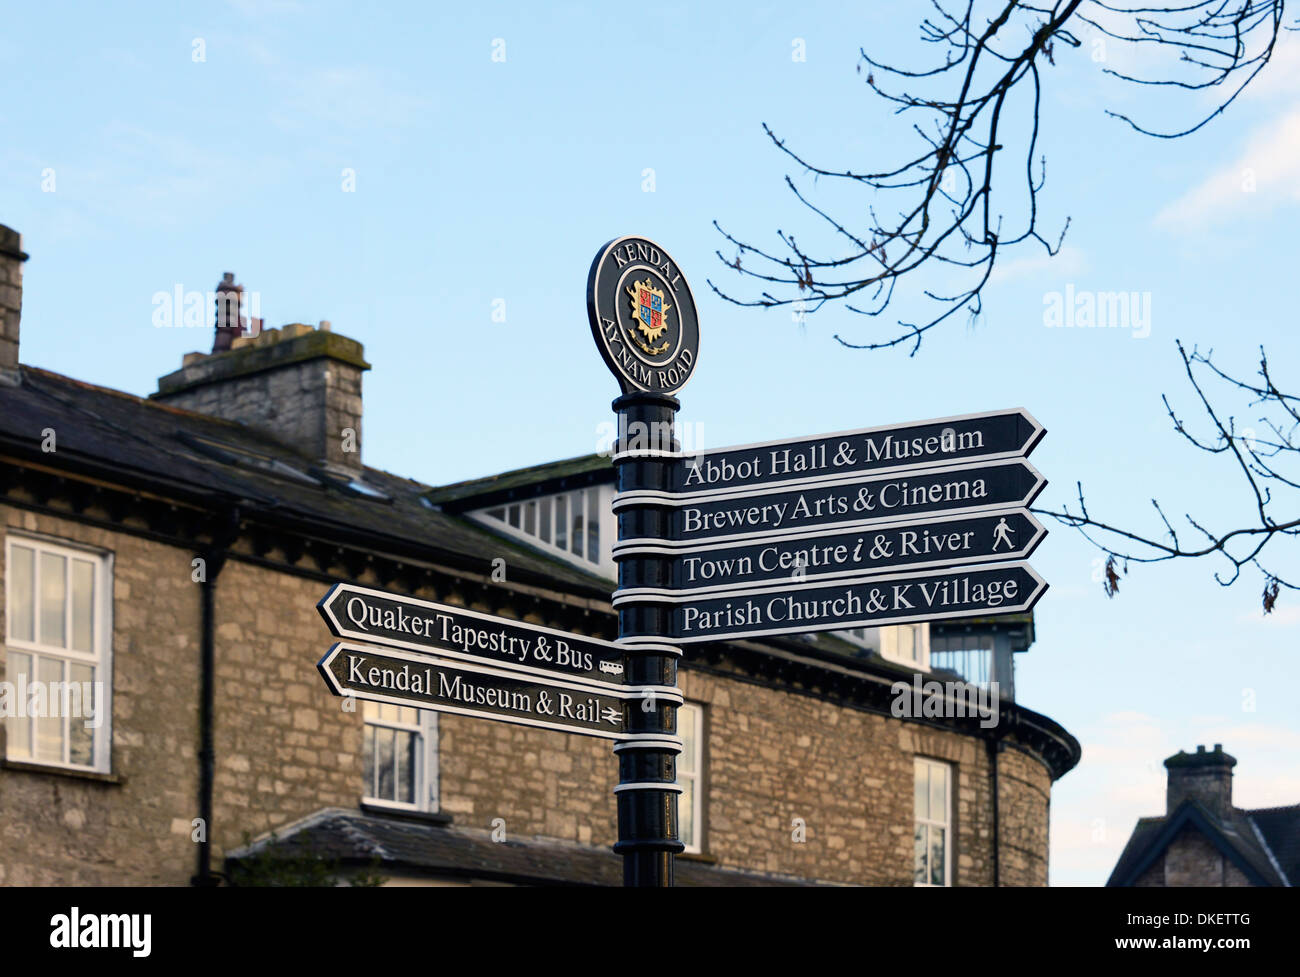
[(955, 205)]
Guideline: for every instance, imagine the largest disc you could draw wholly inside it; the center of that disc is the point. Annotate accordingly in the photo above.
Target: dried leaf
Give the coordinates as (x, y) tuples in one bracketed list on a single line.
[(1111, 583), (1270, 595)]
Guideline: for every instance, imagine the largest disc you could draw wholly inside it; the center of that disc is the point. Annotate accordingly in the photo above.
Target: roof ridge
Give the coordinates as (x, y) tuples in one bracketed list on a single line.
[(1251, 811), (126, 395), (591, 455)]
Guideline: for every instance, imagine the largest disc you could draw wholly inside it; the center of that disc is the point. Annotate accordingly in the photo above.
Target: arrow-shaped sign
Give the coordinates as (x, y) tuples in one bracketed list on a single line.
[(888, 599), (454, 632), (865, 501), (943, 441), (843, 554), (420, 680)]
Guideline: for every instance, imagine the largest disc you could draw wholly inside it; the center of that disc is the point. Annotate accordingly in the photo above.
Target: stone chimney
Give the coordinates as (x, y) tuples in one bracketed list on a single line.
[(298, 384), (11, 302), (1204, 776)]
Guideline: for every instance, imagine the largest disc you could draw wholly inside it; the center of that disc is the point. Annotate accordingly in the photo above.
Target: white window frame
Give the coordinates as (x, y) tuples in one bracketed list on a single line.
[(885, 642), (693, 712), (101, 655), (891, 645), (606, 525), (425, 789), (929, 764)]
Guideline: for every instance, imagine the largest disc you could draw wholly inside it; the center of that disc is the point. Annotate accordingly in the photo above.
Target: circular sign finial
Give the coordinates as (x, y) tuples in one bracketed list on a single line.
[(643, 316)]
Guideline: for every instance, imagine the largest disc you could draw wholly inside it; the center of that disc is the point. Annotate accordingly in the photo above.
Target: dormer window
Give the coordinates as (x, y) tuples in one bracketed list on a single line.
[(577, 526), (906, 644)]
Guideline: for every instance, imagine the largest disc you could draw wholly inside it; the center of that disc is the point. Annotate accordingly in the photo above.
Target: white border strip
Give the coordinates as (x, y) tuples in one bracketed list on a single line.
[(653, 645), (649, 741), (637, 453), (649, 785)]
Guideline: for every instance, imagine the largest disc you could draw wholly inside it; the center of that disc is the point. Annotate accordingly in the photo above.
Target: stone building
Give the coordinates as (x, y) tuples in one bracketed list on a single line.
[(163, 556), (1203, 840)]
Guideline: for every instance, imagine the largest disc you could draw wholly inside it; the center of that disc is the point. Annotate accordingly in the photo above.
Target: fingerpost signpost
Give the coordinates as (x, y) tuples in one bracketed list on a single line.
[(643, 318), (888, 525)]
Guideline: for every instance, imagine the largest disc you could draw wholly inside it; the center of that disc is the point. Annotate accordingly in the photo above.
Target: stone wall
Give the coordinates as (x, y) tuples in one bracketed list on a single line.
[(1192, 860), (286, 748), (1024, 791), (135, 826)]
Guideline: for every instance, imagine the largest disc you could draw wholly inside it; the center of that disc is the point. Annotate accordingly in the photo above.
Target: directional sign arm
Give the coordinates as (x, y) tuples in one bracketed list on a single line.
[(445, 630), (861, 501), (872, 602), (847, 553), (943, 441)]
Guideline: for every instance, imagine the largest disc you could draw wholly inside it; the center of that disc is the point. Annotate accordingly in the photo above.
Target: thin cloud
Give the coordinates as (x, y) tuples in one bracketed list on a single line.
[(1281, 617), (350, 98), (1068, 261), (1268, 170)]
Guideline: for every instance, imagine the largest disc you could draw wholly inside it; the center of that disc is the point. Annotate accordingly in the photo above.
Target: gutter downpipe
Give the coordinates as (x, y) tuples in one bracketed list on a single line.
[(214, 560), (994, 746)]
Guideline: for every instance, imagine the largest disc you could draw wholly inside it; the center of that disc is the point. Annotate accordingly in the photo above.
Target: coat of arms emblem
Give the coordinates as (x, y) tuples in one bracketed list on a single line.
[(650, 313)]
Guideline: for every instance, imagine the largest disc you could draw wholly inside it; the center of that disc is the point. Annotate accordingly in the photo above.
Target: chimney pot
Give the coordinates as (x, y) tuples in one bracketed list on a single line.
[(230, 313)]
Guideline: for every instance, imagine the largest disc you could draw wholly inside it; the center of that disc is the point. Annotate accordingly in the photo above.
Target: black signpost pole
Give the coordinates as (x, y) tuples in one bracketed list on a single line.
[(645, 324), (647, 788)]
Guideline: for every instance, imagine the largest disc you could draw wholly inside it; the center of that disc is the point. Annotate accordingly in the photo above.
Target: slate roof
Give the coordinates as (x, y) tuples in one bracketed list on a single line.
[(1280, 827), (1264, 843), (394, 845), (214, 463)]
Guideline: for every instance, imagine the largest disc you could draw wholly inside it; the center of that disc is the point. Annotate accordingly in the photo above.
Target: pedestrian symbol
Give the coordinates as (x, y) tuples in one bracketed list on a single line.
[(1001, 534)]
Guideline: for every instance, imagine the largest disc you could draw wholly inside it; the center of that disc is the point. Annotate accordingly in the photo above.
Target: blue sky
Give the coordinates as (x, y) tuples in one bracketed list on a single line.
[(478, 180)]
